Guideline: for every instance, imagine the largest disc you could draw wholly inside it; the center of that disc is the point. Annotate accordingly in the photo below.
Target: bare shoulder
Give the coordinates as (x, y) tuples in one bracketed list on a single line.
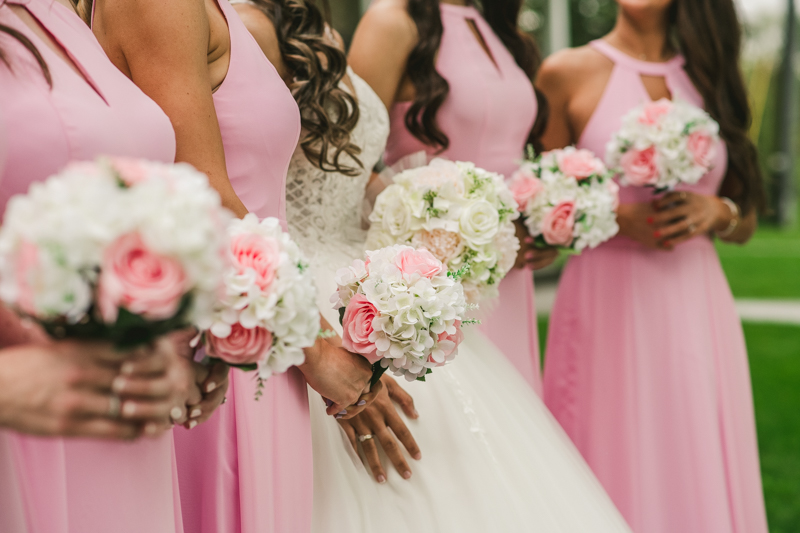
[(262, 29), (390, 19), (569, 68)]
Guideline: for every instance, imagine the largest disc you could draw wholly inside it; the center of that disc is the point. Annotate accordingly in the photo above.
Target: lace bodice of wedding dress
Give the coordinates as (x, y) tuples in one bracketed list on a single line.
[(324, 208)]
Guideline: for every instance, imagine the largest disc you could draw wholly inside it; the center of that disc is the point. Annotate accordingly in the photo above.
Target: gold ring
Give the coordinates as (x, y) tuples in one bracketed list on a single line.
[(362, 438)]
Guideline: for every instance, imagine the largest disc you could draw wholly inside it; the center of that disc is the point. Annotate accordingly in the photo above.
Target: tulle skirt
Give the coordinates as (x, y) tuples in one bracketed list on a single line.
[(647, 372)]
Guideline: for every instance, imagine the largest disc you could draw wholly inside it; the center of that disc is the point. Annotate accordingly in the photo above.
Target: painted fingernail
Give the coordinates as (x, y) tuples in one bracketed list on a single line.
[(127, 368), (195, 413), (343, 412), (150, 429), (407, 475), (338, 417), (362, 402), (118, 385), (529, 256), (129, 409), (657, 234), (328, 402), (529, 240), (193, 424), (650, 220), (176, 413), (381, 479), (418, 456), (416, 414), (210, 387)]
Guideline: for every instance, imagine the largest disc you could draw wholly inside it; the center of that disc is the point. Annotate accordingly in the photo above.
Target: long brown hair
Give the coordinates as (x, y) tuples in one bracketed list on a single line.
[(432, 89), (24, 41), (709, 35), (329, 113)]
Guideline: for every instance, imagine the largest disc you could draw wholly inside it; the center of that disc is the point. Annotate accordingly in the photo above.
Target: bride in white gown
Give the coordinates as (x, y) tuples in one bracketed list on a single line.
[(493, 458)]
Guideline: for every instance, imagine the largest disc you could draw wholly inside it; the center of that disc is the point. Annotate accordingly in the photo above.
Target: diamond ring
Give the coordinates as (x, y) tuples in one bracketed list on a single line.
[(362, 438)]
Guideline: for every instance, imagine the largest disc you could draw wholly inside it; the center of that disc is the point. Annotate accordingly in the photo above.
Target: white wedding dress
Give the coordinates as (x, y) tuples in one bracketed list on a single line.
[(493, 458)]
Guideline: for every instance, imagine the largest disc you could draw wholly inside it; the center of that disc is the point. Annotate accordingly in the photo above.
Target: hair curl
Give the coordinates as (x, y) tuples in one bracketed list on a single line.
[(709, 35), (329, 113), (24, 41), (432, 89)]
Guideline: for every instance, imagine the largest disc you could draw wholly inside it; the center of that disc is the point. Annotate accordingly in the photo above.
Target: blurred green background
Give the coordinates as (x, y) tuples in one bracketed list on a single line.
[(766, 269)]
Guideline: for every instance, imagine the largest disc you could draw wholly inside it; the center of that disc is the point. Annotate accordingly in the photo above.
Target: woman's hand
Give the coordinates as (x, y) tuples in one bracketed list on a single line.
[(87, 389), (636, 222), (207, 392), (376, 421), (682, 215), (529, 256), (339, 376)]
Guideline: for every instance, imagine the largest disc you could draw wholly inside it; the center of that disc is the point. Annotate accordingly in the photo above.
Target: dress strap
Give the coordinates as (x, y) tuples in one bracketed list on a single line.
[(646, 68)]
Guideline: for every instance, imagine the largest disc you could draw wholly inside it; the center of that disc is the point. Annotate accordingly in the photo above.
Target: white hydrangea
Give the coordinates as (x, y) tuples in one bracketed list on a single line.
[(462, 214), (682, 140), (53, 238), (286, 307), (418, 317)]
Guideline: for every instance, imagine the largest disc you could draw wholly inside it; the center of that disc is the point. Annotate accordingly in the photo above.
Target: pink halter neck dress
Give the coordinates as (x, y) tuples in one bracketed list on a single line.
[(487, 116), (76, 485), (249, 468), (646, 366)]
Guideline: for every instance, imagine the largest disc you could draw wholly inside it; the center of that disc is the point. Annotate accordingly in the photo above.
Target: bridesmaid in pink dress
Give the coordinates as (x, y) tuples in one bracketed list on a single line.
[(249, 467), (78, 485), (487, 117), (646, 365)]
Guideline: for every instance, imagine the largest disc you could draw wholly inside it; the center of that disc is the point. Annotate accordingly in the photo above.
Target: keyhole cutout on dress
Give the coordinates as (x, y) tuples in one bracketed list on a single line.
[(656, 87), (481, 41), (50, 40)]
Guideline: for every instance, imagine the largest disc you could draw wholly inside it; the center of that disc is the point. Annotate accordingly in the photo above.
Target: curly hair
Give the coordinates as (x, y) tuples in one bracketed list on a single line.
[(329, 113), (709, 35), (432, 89), (14, 34)]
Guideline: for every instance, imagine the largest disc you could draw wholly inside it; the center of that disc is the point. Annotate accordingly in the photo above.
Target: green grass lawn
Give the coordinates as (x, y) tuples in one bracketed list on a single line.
[(766, 267), (775, 367)]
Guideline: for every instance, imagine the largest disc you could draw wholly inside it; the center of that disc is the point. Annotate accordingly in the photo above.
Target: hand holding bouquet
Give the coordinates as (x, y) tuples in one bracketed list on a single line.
[(117, 250), (567, 198), (461, 214), (401, 310), (663, 144), (268, 312)]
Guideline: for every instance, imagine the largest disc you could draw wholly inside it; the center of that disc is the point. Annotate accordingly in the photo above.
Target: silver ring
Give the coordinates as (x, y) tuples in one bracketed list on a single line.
[(224, 399), (362, 438), (114, 406)]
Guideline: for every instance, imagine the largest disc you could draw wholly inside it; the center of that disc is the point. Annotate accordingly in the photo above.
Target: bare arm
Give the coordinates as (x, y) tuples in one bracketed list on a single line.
[(262, 29), (381, 45), (163, 47), (553, 82)]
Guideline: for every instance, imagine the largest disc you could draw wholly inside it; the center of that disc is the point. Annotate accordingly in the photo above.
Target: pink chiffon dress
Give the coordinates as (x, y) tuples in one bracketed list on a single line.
[(76, 485), (249, 468), (646, 366), (487, 116)]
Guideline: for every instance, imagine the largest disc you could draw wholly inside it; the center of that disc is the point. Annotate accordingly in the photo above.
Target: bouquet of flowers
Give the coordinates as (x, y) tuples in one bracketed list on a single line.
[(663, 144), (462, 214), (268, 311), (401, 310), (568, 199), (119, 250)]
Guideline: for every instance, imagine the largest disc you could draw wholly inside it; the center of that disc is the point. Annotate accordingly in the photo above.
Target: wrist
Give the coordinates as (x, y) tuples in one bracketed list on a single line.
[(729, 217)]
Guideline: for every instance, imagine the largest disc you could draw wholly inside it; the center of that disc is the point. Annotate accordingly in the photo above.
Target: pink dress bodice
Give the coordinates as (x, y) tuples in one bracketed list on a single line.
[(75, 485), (487, 116), (624, 91), (259, 121), (490, 108), (248, 469), (81, 117)]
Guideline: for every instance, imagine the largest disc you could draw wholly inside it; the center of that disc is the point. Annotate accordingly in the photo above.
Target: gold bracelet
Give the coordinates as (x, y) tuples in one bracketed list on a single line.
[(734, 223)]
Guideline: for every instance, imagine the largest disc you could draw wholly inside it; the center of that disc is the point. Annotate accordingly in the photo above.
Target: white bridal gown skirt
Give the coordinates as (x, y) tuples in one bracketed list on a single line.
[(493, 459)]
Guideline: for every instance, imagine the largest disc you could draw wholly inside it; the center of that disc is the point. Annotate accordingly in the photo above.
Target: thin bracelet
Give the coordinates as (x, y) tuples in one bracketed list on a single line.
[(734, 223)]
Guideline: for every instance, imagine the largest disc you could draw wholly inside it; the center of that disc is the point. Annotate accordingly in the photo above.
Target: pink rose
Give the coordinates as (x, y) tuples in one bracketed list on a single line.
[(639, 166), (143, 282), (443, 244), (132, 171), (449, 343), (243, 346), (421, 262), (580, 164), (524, 186), (257, 253), (27, 262), (653, 111), (700, 145), (357, 324), (559, 223)]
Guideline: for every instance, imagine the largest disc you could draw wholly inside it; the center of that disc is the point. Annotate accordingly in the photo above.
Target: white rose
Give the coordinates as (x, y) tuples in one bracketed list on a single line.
[(479, 223)]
